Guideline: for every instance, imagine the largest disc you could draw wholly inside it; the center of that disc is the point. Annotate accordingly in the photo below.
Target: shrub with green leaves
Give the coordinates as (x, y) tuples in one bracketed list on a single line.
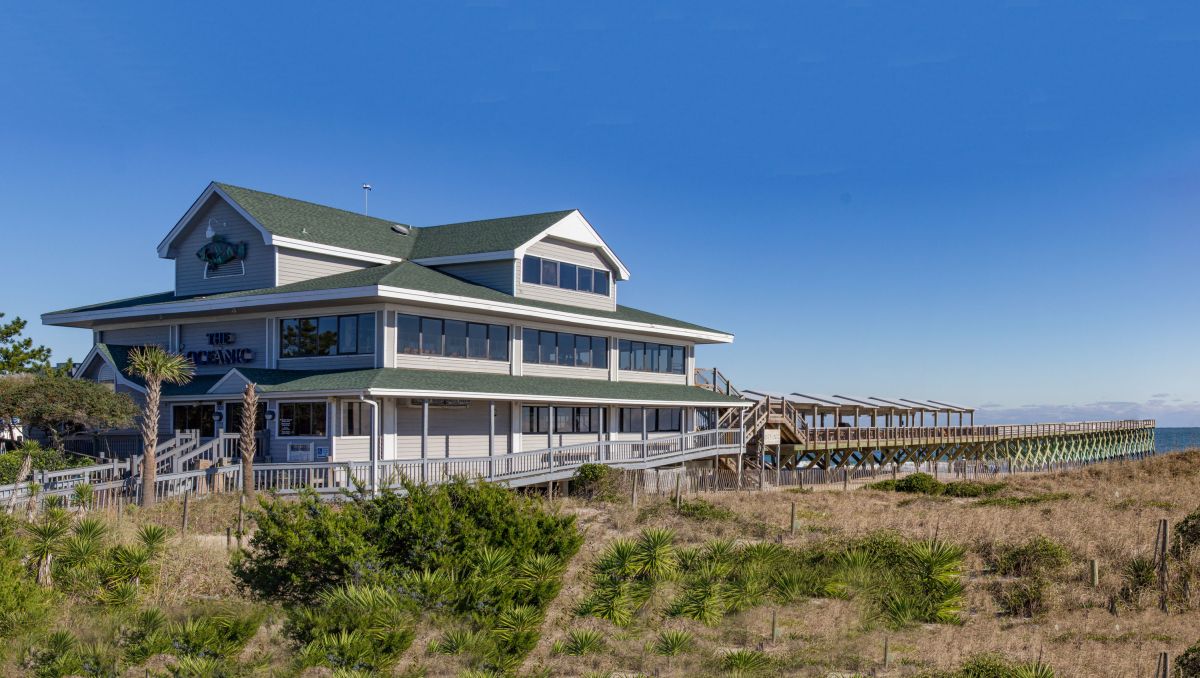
[(1187, 534), (1022, 598), (991, 665), (43, 459), (1038, 555), (597, 482), (1187, 665), (354, 628), (699, 509), (919, 483), (580, 642), (923, 483)]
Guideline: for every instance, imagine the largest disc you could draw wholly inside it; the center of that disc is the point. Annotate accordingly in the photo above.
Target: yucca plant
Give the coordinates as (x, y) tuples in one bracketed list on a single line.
[(764, 552), (673, 642), (145, 636), (55, 656), (654, 558), (516, 629), (45, 540), (198, 667), (792, 585), (619, 560), (721, 550), (539, 577), (91, 528), (613, 601), (82, 495), (428, 588), (744, 662), (347, 616), (456, 641), (128, 564), (580, 642), (747, 590), (80, 550), (153, 538), (703, 600), (123, 594), (1137, 576), (688, 557), (347, 649), (492, 563)]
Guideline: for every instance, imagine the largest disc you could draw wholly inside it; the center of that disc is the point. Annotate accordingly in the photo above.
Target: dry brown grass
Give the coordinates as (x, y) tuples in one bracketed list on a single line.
[(1110, 515)]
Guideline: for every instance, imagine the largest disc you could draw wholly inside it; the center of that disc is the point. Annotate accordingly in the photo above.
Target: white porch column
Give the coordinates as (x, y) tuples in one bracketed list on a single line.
[(424, 439), (550, 427), (515, 424), (491, 435), (645, 435)]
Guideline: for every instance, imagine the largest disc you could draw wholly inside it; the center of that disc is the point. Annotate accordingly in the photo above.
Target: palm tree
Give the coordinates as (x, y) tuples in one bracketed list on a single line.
[(155, 366), (249, 419)]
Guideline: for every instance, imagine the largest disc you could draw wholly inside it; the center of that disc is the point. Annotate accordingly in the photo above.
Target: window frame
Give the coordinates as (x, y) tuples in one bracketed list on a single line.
[(310, 419), (302, 336)]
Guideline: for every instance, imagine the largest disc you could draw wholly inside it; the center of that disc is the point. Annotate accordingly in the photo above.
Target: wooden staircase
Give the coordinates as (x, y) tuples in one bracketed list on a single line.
[(769, 412)]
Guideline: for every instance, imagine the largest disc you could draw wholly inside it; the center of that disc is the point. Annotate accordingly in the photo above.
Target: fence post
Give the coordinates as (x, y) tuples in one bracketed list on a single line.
[(792, 524), (241, 519), (1095, 573), (185, 510), (887, 653), (775, 625), (1164, 535)]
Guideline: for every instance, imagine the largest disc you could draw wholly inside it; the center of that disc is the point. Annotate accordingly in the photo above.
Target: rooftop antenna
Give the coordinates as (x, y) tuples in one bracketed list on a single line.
[(366, 193)]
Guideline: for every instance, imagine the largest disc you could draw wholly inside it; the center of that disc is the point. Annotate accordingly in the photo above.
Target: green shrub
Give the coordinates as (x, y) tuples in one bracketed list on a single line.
[(361, 628), (971, 489), (919, 483), (699, 509), (302, 547), (44, 459), (1187, 533), (883, 486), (1038, 555), (597, 482), (1187, 665), (991, 665), (1022, 598), (580, 642)]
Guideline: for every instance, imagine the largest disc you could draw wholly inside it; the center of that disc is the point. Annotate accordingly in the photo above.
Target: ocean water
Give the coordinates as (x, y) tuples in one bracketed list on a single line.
[(1175, 439)]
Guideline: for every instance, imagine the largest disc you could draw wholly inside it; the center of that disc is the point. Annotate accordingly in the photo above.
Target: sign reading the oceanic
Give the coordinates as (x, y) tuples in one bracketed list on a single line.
[(219, 251), (222, 352)]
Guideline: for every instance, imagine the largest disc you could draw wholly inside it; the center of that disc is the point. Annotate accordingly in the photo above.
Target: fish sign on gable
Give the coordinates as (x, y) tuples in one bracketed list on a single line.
[(219, 251)]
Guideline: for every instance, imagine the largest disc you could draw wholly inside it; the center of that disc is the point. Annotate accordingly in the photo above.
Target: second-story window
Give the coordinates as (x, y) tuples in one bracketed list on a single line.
[(540, 271), (418, 335), (541, 347), (641, 356), (327, 335)]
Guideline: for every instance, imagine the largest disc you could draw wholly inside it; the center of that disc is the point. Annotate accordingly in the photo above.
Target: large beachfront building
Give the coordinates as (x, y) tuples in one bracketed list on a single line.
[(368, 338)]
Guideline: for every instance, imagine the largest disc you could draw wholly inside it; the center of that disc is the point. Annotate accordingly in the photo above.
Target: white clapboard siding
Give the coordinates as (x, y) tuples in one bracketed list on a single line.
[(562, 371), (453, 432), (328, 362), (651, 377), (352, 448), (296, 266), (158, 335), (189, 269), (436, 362), (572, 254)]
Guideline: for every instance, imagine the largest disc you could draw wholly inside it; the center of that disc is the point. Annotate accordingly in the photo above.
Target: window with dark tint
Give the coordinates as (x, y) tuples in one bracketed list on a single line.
[(548, 352), (408, 331), (456, 339), (531, 270), (568, 276), (564, 348), (477, 338), (646, 357), (302, 419), (347, 334), (600, 284), (583, 351), (549, 272), (327, 335), (658, 419), (539, 271), (289, 338), (233, 417), (529, 346), (194, 418), (451, 338), (498, 342), (535, 419), (356, 419), (431, 336)]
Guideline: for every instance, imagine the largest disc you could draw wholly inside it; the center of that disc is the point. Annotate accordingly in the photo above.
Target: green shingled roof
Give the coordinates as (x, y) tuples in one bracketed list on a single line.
[(291, 218), (118, 355), (292, 381), (405, 275)]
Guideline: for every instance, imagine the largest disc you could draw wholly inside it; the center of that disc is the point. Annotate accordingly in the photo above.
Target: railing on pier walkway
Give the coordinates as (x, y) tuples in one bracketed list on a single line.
[(516, 469), (893, 435)]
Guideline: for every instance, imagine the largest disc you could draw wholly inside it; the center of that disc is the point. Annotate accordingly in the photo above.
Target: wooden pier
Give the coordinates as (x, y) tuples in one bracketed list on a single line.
[(791, 432)]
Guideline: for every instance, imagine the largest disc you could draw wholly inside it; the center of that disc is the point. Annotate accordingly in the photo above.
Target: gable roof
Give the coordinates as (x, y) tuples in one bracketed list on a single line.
[(290, 222), (402, 276)]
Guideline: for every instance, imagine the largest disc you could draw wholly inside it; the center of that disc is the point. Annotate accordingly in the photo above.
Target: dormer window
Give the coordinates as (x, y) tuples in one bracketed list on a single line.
[(539, 271)]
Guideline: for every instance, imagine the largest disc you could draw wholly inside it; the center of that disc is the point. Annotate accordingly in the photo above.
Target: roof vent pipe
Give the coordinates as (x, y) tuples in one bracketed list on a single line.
[(400, 228)]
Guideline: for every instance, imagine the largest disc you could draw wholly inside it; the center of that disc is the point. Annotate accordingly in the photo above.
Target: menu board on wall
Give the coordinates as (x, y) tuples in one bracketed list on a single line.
[(285, 427)]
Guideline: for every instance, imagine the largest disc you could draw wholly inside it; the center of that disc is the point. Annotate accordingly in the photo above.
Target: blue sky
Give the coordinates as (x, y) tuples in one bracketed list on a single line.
[(993, 204)]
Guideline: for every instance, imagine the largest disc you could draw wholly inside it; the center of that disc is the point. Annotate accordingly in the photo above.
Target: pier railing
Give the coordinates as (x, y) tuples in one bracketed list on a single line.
[(891, 435)]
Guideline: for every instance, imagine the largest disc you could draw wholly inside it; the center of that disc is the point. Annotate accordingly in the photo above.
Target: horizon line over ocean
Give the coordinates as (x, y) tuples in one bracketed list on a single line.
[(1174, 439)]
